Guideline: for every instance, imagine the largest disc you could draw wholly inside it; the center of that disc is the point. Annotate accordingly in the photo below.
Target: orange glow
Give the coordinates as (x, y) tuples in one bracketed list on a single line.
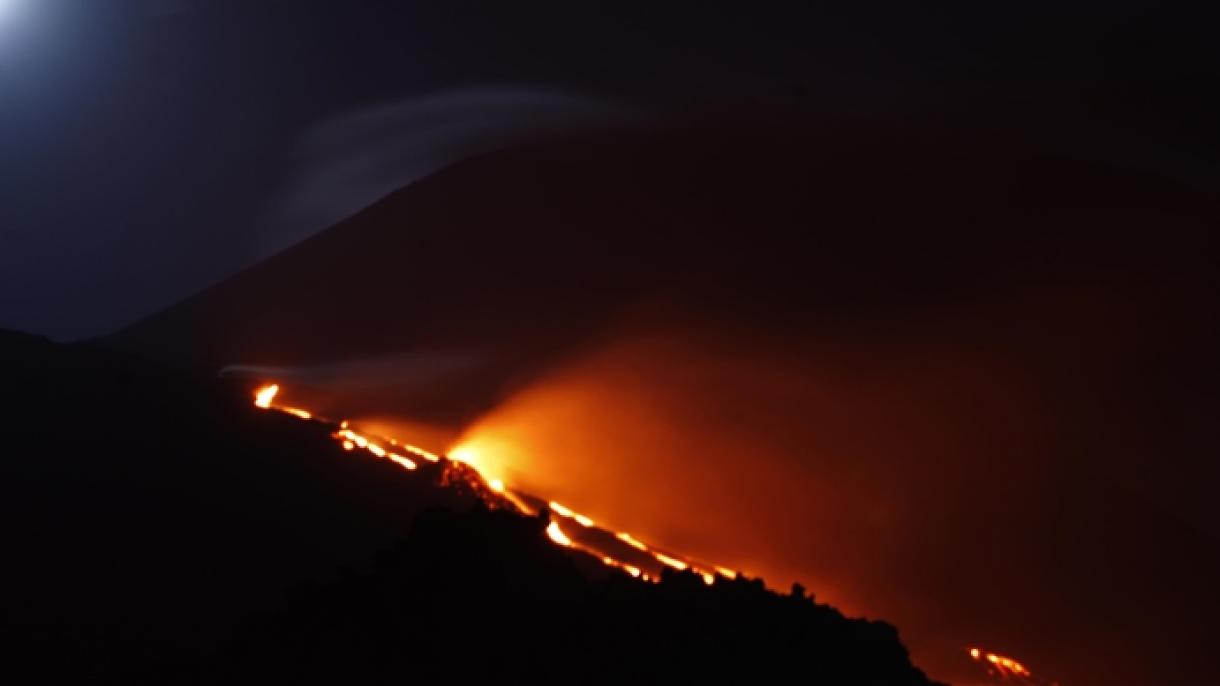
[(465, 455), (630, 569), (671, 561), (264, 395), (1005, 666), (557, 535), (583, 520), (472, 458), (431, 457), (402, 461), (627, 538), (476, 460), (522, 506)]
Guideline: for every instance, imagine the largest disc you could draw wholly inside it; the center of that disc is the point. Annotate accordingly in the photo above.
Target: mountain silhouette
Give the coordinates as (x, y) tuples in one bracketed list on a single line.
[(162, 530), (519, 257), (993, 357)]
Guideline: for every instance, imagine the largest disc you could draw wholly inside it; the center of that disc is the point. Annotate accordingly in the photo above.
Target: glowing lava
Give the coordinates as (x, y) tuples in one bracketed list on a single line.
[(1005, 667), (584, 521), (634, 557), (352, 440), (627, 538), (556, 534), (265, 395)]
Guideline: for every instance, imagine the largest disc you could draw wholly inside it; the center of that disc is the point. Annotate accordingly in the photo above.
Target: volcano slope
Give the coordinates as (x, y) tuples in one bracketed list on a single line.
[(965, 375), (490, 270), (160, 529)]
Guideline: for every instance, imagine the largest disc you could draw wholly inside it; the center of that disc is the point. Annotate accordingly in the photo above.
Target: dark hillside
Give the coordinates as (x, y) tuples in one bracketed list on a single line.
[(160, 529)]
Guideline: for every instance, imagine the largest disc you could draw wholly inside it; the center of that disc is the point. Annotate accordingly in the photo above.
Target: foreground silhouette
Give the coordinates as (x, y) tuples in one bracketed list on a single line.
[(993, 352), (159, 529), (482, 595)]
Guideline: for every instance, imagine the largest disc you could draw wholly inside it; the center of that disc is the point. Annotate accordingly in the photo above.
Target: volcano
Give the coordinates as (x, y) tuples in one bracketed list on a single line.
[(492, 269), (945, 378), (163, 530)]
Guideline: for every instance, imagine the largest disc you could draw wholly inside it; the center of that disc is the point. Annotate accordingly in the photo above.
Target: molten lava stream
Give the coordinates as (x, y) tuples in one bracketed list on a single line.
[(567, 528), (570, 529), (1006, 669)]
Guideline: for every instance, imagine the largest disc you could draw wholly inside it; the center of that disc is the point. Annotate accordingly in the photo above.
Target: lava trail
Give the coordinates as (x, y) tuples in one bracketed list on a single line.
[(567, 528)]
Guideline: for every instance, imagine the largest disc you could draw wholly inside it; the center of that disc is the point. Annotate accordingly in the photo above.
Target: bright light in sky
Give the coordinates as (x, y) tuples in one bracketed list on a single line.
[(9, 9), (24, 25), (12, 29)]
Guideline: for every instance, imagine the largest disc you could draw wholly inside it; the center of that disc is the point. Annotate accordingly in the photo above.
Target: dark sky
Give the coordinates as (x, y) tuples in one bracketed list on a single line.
[(152, 147)]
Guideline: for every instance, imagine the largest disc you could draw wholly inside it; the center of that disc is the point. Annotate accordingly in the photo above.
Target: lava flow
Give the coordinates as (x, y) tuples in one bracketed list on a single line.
[(567, 528), (1006, 669)]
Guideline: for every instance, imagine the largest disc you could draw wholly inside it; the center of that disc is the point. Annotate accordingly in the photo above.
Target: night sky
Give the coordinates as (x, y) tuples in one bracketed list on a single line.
[(916, 305), (153, 147)]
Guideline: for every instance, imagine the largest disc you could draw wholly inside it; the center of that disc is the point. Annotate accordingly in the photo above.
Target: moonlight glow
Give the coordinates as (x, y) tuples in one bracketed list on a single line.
[(9, 8), (12, 14)]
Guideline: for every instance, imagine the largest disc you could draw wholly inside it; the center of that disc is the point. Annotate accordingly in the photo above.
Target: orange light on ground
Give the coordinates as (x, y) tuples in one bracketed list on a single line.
[(431, 457), (671, 561), (560, 509), (264, 396), (1006, 666), (627, 538), (351, 440), (465, 455), (557, 535), (402, 460)]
